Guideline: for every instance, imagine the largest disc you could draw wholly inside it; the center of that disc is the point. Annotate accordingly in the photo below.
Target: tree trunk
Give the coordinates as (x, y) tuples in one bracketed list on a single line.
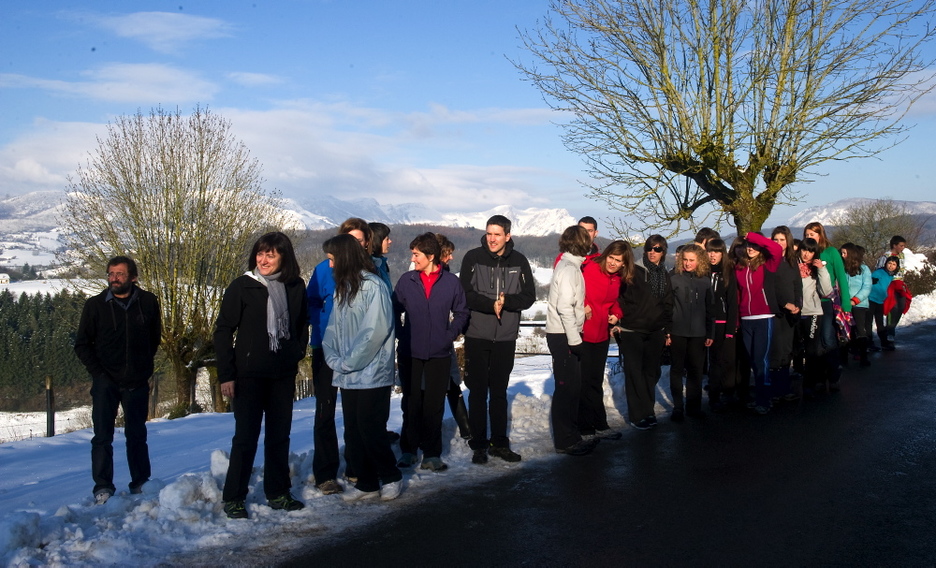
[(185, 381)]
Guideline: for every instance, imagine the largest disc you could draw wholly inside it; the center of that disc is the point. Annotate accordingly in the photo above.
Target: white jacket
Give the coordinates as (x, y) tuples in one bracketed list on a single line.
[(813, 292), (565, 311)]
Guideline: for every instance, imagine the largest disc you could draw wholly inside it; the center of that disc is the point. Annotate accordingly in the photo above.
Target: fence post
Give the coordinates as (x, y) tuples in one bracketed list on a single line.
[(50, 407)]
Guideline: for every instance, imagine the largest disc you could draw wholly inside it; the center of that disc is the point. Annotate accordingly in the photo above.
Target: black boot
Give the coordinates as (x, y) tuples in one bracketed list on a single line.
[(461, 418)]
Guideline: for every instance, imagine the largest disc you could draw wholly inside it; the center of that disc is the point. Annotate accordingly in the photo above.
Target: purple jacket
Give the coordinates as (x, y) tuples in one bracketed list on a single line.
[(426, 331)]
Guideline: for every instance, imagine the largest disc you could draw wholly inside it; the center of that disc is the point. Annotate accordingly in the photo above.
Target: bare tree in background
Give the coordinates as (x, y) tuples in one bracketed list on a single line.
[(872, 224), (182, 196), (698, 112)]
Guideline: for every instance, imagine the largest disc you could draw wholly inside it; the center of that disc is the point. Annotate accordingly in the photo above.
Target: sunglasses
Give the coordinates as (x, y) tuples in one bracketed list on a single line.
[(656, 249)]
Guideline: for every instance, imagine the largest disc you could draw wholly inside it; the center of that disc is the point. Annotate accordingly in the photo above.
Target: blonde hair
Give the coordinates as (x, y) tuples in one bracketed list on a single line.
[(702, 264)]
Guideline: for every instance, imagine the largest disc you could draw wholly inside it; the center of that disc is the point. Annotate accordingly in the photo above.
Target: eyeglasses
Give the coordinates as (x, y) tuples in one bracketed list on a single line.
[(117, 275), (656, 249)]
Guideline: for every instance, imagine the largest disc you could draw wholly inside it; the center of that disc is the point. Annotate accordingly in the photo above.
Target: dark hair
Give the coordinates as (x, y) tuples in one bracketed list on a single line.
[(500, 221), (854, 258), (895, 259), (789, 254), (810, 245), (350, 262), (276, 241), (726, 265), (379, 232), (589, 220), (706, 234), (627, 255), (896, 240), (131, 265), (575, 240), (356, 223), (428, 244), (652, 241)]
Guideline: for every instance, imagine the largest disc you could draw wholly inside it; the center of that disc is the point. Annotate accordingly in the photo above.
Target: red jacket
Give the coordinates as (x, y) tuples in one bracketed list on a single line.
[(601, 295), (896, 288)]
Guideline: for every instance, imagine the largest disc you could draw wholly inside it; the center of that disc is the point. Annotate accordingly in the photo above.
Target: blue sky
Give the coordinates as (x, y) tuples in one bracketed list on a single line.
[(413, 101)]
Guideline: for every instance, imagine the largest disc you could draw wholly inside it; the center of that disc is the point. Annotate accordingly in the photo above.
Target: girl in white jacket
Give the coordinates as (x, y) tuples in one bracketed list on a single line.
[(817, 284), (565, 316)]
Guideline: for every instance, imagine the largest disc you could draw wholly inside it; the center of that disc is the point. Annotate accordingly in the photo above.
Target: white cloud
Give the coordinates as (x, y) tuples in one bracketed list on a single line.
[(146, 84), (166, 32), (41, 159), (253, 79)]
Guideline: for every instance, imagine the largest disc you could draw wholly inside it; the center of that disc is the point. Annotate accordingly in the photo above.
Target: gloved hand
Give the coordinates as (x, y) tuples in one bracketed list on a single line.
[(578, 350)]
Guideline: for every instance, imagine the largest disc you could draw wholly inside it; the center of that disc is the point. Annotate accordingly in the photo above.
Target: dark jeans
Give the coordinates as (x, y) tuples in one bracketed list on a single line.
[(640, 354), (781, 355), (325, 457), (365, 415), (756, 335), (829, 336), (487, 370), (106, 396), (592, 415), (861, 332), (722, 372), (268, 402), (688, 354), (427, 404), (813, 350), (567, 374)]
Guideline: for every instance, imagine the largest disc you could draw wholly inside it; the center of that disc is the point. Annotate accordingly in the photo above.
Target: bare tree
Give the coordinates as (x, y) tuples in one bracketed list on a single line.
[(695, 112), (872, 224), (182, 197)]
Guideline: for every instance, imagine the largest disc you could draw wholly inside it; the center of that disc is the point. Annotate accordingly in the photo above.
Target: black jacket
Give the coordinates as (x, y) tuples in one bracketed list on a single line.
[(118, 343), (243, 312), (642, 310), (484, 275), (693, 305)]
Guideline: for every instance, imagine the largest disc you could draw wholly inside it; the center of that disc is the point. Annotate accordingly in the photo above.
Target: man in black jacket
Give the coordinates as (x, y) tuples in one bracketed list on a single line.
[(498, 285), (117, 338)]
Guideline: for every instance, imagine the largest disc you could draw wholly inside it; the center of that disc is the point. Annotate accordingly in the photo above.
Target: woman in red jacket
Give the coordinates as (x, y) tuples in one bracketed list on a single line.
[(757, 304), (603, 277)]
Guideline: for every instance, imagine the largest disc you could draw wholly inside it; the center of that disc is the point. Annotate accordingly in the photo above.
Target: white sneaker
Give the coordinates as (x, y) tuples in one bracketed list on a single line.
[(102, 496), (355, 494), (391, 491)]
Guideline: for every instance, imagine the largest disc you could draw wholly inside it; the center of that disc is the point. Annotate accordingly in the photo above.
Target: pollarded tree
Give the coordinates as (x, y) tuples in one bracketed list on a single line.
[(684, 109), (182, 196)]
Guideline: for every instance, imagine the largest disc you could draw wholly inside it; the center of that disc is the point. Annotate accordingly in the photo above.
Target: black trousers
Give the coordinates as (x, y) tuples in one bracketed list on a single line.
[(592, 415), (722, 371), (487, 371), (325, 457), (429, 381), (688, 354), (366, 412), (641, 353), (106, 396), (267, 402), (567, 374)]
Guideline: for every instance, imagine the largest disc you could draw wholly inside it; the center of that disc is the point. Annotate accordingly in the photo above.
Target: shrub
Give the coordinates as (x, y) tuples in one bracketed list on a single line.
[(921, 282)]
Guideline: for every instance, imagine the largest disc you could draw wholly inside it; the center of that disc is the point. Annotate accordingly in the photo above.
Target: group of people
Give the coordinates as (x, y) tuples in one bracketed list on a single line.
[(762, 308)]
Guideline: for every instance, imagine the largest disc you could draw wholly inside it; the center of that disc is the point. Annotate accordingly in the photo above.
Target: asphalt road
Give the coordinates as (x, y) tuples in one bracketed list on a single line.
[(847, 479)]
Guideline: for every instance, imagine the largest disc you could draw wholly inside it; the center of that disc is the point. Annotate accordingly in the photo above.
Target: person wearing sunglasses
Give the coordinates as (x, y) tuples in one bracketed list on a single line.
[(647, 305)]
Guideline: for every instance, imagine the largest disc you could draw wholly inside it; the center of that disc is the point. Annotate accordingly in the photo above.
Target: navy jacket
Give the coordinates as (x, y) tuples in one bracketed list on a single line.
[(425, 330)]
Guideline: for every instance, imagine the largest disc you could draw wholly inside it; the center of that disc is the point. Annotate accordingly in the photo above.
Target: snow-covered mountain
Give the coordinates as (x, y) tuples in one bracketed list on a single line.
[(827, 214)]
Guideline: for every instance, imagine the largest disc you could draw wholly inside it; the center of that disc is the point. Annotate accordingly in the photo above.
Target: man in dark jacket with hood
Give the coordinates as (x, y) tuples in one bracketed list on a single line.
[(498, 285), (117, 338)]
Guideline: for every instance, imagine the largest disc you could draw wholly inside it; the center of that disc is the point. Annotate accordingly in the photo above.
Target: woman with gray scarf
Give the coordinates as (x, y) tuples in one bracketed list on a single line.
[(647, 304), (265, 310)]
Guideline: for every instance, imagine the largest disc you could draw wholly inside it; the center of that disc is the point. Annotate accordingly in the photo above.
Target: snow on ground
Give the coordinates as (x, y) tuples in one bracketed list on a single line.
[(50, 519)]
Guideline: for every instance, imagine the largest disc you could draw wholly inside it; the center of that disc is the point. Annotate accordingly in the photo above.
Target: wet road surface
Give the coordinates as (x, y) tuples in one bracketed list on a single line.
[(847, 479)]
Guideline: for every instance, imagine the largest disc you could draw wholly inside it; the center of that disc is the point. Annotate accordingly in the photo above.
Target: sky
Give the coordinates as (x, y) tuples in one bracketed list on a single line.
[(49, 517), (402, 102)]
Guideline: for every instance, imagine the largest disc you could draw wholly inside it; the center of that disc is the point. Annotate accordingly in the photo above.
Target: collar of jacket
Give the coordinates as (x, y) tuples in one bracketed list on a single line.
[(508, 248)]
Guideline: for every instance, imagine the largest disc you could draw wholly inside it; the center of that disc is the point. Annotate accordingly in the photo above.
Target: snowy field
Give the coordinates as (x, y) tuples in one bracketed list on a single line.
[(49, 518)]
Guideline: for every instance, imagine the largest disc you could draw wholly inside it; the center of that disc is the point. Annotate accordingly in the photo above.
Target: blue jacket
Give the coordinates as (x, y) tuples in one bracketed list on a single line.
[(426, 332), (358, 341), (383, 270), (860, 287), (880, 281), (319, 293)]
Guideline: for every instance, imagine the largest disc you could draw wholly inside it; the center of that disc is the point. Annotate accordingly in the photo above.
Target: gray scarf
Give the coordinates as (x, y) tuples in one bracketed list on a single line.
[(277, 309), (657, 273)]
